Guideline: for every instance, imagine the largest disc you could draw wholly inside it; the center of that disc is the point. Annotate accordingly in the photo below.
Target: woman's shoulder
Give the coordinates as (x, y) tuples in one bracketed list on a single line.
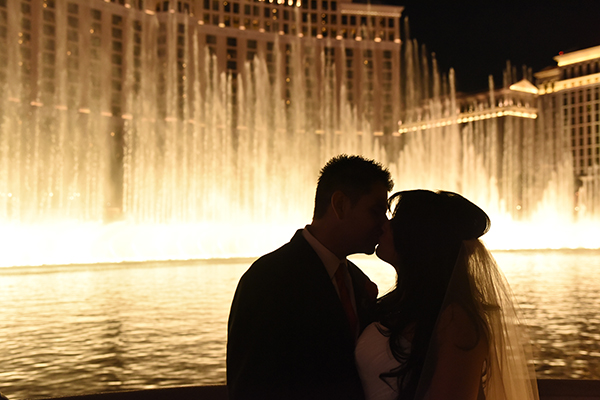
[(460, 327)]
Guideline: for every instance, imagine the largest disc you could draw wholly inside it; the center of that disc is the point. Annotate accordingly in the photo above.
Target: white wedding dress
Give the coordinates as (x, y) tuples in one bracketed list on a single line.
[(373, 357)]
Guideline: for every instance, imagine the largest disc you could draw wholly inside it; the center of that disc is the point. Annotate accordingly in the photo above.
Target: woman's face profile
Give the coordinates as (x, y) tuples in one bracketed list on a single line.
[(385, 249)]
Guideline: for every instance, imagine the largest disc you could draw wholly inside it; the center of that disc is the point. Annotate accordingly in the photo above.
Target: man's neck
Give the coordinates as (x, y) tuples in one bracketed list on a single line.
[(328, 238)]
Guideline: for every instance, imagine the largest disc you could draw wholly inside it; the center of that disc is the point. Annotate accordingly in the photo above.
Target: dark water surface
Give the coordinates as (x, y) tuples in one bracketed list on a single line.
[(82, 329)]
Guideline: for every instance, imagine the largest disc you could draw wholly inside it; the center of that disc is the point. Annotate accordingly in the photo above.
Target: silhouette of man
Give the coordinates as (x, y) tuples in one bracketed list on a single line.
[(297, 311)]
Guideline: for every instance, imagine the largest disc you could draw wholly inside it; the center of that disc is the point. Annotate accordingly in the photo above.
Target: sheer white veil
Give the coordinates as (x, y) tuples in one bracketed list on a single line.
[(508, 372)]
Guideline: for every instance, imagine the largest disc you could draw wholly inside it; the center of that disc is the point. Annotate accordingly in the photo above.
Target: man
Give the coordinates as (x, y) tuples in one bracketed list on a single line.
[(297, 311)]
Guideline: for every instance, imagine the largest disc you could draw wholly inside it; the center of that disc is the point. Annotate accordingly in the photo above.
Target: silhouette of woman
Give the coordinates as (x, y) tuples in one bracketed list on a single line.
[(448, 330)]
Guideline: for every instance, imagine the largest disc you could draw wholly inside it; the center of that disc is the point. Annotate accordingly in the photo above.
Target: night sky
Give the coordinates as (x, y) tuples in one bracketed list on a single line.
[(476, 38)]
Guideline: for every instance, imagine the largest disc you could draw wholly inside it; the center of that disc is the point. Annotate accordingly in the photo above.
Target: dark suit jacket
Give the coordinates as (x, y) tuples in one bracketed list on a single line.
[(288, 336)]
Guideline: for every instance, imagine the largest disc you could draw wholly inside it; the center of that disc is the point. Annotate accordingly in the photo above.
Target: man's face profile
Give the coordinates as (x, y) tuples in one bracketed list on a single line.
[(365, 219)]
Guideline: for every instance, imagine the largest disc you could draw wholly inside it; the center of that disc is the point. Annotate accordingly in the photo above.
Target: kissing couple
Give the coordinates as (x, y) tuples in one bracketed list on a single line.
[(306, 323)]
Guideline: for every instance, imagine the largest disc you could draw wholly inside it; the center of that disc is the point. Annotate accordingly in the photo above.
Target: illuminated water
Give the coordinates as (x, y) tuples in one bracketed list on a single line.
[(74, 330)]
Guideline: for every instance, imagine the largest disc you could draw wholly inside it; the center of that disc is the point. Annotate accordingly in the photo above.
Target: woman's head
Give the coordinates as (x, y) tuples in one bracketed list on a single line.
[(423, 240), (428, 228)]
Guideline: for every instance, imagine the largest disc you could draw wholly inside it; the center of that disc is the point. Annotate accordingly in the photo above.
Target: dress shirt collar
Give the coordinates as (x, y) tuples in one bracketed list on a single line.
[(329, 259)]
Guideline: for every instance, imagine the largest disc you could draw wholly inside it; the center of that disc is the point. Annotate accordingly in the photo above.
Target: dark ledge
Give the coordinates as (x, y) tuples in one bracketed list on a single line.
[(550, 389)]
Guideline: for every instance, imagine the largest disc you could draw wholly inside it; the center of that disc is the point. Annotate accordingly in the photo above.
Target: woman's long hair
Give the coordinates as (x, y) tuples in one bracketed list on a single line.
[(429, 229)]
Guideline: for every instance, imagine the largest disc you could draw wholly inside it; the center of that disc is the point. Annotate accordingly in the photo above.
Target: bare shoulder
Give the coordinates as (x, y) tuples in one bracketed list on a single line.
[(461, 352), (461, 329)]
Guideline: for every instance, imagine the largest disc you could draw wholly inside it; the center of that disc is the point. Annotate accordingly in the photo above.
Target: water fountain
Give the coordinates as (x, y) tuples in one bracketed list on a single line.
[(166, 178)]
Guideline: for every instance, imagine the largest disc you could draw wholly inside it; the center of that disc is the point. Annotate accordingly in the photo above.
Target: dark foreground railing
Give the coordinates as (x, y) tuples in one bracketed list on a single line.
[(550, 389)]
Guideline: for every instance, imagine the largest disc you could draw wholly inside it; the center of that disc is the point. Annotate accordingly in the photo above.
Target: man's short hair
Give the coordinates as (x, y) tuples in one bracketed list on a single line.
[(353, 175)]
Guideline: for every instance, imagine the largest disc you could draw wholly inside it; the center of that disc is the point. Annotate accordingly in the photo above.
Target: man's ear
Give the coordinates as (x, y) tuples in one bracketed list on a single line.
[(340, 203)]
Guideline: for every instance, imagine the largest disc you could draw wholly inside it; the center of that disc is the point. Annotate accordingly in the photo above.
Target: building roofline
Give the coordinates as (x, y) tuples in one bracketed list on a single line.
[(548, 72), (578, 56), (371, 9)]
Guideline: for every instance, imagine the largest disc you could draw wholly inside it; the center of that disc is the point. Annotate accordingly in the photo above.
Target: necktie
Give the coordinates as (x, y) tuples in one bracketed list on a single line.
[(346, 300)]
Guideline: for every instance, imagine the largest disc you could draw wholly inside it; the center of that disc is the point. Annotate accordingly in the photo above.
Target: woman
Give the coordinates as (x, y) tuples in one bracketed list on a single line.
[(448, 330)]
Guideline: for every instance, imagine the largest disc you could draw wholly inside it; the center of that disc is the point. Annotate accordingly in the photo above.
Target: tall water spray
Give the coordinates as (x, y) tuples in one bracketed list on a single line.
[(199, 163)]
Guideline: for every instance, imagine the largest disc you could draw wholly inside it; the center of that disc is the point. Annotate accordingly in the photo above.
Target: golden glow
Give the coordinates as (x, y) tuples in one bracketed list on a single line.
[(89, 243), (545, 231)]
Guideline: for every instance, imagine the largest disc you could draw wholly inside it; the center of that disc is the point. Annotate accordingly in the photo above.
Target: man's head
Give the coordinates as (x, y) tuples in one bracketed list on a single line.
[(351, 202)]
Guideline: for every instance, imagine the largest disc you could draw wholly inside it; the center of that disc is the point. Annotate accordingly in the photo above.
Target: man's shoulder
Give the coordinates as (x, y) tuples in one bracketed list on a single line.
[(296, 252)]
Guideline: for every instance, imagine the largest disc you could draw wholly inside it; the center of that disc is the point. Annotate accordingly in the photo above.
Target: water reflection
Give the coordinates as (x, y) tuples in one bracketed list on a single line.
[(558, 293), (74, 330), (79, 330)]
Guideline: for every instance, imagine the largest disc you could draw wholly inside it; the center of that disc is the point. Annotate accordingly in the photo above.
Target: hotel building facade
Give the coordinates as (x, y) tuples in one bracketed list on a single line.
[(101, 100), (361, 41), (569, 98)]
